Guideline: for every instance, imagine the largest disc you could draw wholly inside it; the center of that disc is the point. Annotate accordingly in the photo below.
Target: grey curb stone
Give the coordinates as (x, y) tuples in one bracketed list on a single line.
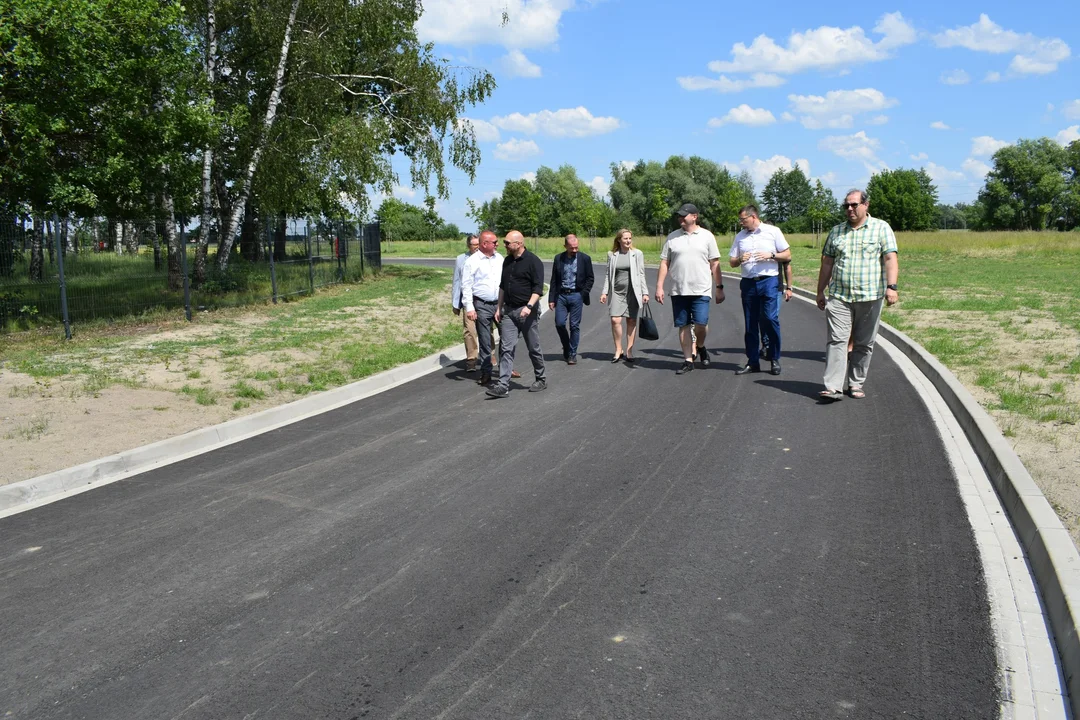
[(1052, 555), (27, 494)]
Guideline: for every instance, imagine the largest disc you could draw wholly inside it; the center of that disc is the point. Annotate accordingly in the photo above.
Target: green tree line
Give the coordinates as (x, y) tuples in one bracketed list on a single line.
[(222, 110), (1033, 185)]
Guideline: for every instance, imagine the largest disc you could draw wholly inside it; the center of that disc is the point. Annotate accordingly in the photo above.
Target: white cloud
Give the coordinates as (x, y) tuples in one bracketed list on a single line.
[(975, 168), (942, 175), (824, 48), (1068, 135), (827, 179), (744, 115), (600, 185), (464, 23), (530, 176), (401, 192), (515, 64), (482, 129), (938, 125), (516, 150), (1070, 109), (992, 77), (569, 122), (878, 120), (1034, 55), (919, 157), (787, 117), (724, 84), (855, 147), (985, 146), (762, 170), (838, 107), (955, 77), (628, 165)]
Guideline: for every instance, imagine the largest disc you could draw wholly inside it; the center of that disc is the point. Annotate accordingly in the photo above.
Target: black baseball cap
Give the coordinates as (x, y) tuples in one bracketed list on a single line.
[(687, 209)]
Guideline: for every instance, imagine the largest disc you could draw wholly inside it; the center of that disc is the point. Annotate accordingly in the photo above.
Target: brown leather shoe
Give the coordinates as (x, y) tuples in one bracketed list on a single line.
[(515, 374)]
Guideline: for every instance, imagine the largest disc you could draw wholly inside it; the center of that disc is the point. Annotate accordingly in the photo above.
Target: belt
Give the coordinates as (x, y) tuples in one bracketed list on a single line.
[(564, 291), (762, 277), (477, 299)]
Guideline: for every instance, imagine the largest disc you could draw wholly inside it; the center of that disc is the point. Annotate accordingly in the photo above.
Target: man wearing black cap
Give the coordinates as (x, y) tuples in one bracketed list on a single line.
[(692, 259)]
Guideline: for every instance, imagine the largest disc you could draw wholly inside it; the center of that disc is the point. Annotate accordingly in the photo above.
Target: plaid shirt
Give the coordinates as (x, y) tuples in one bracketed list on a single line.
[(859, 259)]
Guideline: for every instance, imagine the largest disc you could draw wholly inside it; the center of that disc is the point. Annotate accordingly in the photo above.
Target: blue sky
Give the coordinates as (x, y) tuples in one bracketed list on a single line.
[(842, 90)]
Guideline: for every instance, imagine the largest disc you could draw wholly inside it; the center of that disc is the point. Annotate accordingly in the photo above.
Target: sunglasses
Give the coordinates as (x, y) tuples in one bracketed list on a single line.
[(850, 205)]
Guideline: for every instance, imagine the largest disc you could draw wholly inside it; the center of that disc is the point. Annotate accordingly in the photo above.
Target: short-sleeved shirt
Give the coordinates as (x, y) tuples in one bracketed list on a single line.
[(858, 257), (766, 239), (688, 256)]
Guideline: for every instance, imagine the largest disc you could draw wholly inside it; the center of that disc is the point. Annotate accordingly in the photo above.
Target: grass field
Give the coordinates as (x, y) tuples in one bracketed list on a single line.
[(1004, 306), (106, 286)]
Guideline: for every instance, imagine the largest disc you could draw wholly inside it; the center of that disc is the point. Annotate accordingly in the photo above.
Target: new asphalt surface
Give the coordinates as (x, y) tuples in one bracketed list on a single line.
[(627, 544)]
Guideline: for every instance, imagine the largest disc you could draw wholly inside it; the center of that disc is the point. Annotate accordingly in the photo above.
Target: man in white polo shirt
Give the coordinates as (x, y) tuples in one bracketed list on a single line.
[(692, 259), (758, 250), (480, 278)]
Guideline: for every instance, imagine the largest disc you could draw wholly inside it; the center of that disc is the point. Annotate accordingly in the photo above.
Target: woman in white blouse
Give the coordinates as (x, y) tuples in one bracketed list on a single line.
[(625, 292)]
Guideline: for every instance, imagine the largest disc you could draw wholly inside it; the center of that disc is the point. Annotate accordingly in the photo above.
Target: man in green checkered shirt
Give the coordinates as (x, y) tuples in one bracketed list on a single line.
[(859, 268)]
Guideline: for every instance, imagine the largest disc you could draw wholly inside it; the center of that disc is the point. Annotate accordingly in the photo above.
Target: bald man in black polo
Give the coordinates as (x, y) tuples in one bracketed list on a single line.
[(519, 313)]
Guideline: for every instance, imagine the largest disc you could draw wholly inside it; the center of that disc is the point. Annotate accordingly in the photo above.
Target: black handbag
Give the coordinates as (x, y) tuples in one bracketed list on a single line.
[(646, 326)]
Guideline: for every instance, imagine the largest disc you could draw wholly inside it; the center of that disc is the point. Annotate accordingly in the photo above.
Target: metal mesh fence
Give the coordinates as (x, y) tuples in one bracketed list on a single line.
[(57, 271)]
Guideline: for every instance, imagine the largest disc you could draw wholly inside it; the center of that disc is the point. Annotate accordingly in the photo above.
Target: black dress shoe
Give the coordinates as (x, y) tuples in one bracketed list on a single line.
[(485, 379), (703, 356), (748, 369), (616, 359), (687, 366), (775, 367)]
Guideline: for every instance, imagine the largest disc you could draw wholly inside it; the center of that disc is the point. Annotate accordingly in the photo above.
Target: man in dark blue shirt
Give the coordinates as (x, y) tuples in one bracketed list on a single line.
[(571, 281), (518, 314)]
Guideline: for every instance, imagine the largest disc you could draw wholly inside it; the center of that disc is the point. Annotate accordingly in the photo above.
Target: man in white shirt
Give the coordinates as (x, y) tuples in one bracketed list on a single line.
[(480, 278), (692, 259), (758, 250), (472, 244)]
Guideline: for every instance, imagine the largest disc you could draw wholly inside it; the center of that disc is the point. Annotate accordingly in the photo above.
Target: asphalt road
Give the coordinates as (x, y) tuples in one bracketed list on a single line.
[(628, 544)]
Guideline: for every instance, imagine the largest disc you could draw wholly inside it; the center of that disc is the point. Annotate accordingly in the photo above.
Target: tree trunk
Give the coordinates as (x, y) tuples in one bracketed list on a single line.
[(50, 240), (264, 137), (131, 237), (118, 237), (66, 240), (250, 237), (159, 230), (280, 237), (37, 259), (172, 242), (208, 151)]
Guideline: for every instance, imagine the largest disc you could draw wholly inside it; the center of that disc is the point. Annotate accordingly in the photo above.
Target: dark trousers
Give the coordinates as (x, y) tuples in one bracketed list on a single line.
[(569, 306), (510, 327), (761, 313), (485, 313)]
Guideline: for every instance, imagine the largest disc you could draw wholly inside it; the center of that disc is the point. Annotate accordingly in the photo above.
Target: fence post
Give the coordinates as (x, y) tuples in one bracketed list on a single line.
[(362, 234), (273, 272), (184, 267), (310, 262), (63, 280)]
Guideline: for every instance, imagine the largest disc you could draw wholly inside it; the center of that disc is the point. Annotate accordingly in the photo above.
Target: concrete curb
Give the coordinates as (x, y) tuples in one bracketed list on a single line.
[(1052, 555), (26, 494)]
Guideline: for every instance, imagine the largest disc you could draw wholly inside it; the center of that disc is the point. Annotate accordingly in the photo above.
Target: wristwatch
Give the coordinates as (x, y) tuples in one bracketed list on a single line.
[(720, 286), (531, 307), (890, 287)]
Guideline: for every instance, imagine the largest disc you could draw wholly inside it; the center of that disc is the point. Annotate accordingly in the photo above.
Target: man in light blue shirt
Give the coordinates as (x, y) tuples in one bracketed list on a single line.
[(758, 250), (472, 244)]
